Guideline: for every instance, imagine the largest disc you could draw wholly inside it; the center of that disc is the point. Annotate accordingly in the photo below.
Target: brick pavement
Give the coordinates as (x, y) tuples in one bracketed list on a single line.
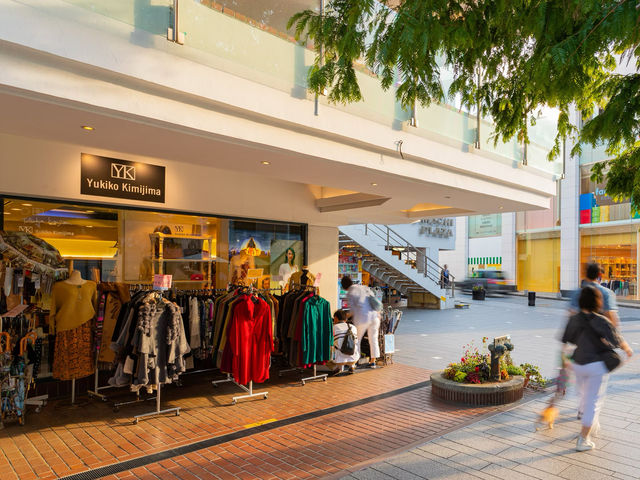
[(62, 441)]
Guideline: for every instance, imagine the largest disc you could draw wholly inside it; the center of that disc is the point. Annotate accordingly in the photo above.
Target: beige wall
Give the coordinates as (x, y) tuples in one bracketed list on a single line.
[(323, 259)]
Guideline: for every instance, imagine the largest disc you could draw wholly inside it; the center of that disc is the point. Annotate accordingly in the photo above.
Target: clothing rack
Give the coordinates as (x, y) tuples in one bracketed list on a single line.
[(315, 376), (250, 392), (157, 411)]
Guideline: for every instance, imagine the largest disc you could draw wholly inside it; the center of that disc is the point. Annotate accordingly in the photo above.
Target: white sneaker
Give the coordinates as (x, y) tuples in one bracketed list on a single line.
[(584, 444)]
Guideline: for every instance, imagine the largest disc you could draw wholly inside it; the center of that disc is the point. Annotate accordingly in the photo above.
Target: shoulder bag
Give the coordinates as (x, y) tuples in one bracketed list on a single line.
[(348, 346), (608, 355)]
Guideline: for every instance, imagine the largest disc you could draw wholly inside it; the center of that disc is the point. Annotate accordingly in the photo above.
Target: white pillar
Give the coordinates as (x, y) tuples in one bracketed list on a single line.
[(456, 259), (570, 220), (508, 248), (323, 261)]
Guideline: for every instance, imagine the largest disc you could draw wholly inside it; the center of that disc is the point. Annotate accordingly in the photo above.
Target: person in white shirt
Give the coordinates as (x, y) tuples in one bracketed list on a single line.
[(364, 317), (340, 329)]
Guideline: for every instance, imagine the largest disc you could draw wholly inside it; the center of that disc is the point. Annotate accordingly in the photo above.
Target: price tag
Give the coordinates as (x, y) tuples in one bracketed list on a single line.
[(162, 282), (36, 281), (21, 281), (318, 278)]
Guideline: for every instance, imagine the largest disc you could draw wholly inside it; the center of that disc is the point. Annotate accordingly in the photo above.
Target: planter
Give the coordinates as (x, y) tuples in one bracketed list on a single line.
[(498, 393), (478, 294)]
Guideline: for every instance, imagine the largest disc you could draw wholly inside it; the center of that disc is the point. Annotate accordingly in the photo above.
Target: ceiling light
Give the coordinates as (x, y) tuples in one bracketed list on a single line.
[(500, 208), (15, 209), (89, 226), (7, 213), (374, 184), (88, 128), (264, 162), (447, 196), (27, 205)]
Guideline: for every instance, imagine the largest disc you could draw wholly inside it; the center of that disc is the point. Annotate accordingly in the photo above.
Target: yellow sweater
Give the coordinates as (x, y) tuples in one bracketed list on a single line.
[(72, 305)]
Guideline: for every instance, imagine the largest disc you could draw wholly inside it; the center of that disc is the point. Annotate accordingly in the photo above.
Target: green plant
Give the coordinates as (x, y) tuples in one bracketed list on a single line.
[(478, 288), (460, 377), (514, 370), (533, 373)]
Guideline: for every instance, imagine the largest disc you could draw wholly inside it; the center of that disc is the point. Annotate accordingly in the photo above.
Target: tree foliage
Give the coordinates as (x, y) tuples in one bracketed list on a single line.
[(509, 58)]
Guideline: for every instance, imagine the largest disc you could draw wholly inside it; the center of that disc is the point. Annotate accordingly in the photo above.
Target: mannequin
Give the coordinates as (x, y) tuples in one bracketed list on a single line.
[(74, 305), (75, 278)]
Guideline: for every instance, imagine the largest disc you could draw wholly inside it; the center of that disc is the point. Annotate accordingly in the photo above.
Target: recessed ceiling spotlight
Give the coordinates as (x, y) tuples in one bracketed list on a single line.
[(27, 205), (15, 209), (88, 128), (447, 196), (374, 184), (90, 211), (89, 226), (264, 162), (500, 208), (7, 213)]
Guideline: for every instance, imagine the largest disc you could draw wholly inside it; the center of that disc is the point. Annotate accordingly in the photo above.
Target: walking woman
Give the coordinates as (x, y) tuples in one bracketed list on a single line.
[(593, 335)]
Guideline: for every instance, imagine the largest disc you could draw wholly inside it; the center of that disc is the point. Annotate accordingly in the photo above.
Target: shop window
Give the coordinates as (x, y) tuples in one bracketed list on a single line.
[(106, 244), (616, 251)]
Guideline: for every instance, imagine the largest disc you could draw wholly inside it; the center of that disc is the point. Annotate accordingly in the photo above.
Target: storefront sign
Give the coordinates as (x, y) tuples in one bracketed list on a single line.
[(111, 177), (485, 225)]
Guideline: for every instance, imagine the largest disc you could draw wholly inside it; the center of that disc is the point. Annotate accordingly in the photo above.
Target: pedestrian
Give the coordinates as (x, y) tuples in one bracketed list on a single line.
[(340, 332), (593, 335), (444, 276), (609, 305), (363, 315)]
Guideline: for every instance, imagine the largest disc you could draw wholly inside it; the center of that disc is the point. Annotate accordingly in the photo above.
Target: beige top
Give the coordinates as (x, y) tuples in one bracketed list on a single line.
[(72, 305)]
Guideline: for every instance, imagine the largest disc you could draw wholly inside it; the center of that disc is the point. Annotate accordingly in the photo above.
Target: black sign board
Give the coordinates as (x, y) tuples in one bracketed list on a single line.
[(111, 177)]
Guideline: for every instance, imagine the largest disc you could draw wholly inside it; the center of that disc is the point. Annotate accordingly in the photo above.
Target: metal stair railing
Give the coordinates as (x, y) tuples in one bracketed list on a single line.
[(413, 255)]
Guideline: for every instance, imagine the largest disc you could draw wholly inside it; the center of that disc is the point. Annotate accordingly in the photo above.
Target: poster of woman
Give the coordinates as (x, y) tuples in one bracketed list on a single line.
[(285, 260)]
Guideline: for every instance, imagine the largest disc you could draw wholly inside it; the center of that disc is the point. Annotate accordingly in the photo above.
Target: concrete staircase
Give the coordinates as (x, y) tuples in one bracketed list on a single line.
[(392, 259)]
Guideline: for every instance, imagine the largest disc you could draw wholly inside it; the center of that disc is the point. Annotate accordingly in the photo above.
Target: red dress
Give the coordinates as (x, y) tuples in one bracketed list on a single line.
[(250, 341)]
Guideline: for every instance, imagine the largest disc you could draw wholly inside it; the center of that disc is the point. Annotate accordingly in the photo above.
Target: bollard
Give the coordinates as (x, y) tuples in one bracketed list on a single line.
[(532, 299)]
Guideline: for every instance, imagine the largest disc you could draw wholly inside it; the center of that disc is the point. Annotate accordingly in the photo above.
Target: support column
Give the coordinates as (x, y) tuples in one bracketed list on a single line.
[(509, 245), (570, 220), (323, 261)]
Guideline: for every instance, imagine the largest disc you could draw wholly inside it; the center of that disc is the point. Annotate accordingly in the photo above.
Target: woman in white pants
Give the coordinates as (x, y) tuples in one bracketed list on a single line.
[(364, 317), (592, 334)]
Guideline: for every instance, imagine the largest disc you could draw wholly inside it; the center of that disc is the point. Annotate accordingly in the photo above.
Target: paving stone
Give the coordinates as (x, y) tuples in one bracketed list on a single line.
[(534, 473), (395, 472), (469, 461), (575, 472), (371, 474)]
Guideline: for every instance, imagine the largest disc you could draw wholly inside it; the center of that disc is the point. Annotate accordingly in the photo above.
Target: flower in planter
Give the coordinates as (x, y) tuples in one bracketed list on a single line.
[(478, 287)]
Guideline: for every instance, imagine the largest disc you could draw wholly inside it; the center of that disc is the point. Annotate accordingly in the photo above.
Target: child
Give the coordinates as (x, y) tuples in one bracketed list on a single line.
[(340, 329)]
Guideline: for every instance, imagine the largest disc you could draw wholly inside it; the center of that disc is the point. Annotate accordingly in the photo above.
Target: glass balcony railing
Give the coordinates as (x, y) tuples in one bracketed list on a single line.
[(249, 39), (593, 154)]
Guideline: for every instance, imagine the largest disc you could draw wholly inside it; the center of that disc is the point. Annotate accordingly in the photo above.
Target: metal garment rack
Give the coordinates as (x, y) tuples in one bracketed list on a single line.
[(157, 411), (251, 393)]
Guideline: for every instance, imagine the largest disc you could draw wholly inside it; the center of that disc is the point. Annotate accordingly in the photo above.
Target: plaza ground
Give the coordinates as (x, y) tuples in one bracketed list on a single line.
[(375, 424)]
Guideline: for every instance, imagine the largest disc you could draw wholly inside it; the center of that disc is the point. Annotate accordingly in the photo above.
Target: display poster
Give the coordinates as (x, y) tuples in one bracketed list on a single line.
[(249, 257), (485, 225), (112, 177), (286, 259), (263, 256)]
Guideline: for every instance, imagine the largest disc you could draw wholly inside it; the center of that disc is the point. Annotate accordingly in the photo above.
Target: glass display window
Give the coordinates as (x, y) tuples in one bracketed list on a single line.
[(616, 250)]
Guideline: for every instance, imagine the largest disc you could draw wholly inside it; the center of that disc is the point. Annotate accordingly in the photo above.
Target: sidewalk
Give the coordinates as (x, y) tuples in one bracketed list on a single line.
[(505, 445)]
